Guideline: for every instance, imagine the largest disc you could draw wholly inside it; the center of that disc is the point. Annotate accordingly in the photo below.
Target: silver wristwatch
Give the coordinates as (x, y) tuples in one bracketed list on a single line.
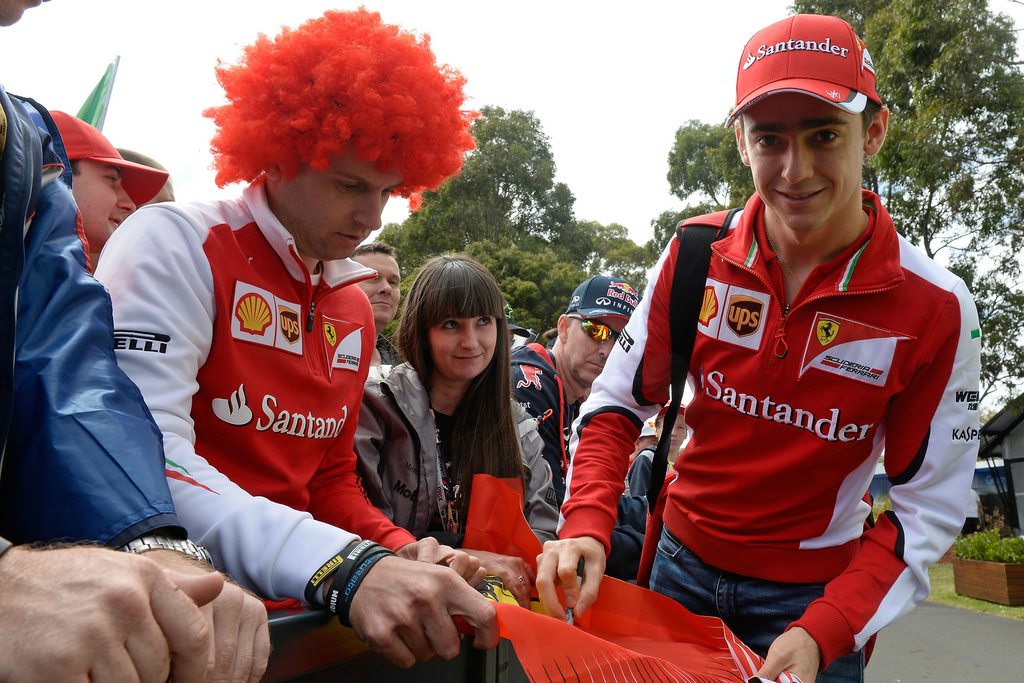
[(144, 544)]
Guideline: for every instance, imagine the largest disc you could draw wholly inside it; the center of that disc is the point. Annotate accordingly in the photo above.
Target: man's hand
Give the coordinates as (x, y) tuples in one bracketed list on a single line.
[(794, 651), (239, 638), (430, 551), (556, 566), (87, 613), (404, 611), (516, 575)]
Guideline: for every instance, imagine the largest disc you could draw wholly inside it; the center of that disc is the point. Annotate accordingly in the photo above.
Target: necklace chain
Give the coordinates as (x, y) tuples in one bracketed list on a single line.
[(775, 251)]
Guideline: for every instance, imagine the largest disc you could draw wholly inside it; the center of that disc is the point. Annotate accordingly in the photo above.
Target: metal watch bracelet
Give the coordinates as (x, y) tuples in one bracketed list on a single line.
[(144, 544)]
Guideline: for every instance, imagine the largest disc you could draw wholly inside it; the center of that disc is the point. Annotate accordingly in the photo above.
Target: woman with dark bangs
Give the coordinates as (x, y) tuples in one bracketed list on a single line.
[(447, 413)]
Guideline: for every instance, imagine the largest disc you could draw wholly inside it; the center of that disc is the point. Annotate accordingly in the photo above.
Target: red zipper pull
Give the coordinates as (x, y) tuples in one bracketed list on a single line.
[(781, 347)]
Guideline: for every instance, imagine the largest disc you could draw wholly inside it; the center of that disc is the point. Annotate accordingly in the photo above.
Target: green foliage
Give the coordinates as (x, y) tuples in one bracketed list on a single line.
[(951, 172), (506, 210), (506, 193), (989, 546), (704, 162), (536, 285)]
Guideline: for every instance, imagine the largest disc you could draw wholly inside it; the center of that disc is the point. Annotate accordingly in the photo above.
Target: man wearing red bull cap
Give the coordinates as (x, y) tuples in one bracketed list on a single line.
[(551, 383), (107, 187), (825, 339)]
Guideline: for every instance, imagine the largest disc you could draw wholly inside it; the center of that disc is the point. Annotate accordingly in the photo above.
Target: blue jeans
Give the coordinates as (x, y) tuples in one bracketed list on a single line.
[(757, 611)]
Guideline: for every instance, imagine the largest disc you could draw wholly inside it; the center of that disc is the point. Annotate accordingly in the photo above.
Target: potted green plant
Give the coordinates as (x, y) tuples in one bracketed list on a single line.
[(989, 566)]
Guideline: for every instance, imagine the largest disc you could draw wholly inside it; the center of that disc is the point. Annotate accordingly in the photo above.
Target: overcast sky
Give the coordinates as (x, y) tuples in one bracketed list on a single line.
[(610, 82)]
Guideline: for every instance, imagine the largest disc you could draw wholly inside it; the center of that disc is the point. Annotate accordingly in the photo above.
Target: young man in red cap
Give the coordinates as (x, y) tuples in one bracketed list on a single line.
[(242, 324), (826, 338), (107, 188)]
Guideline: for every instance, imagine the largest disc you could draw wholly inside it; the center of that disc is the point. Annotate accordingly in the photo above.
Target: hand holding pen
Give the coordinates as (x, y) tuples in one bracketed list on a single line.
[(569, 616), (576, 565)]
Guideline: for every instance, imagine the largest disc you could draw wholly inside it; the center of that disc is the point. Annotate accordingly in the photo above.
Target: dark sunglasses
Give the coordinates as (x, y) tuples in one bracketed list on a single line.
[(598, 331)]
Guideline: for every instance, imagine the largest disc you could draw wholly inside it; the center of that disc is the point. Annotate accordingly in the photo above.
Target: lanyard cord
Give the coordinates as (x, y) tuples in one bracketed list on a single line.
[(447, 493)]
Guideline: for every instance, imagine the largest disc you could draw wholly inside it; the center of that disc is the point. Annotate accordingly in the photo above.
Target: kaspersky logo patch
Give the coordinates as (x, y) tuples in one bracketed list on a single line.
[(850, 349), (260, 317), (740, 320)]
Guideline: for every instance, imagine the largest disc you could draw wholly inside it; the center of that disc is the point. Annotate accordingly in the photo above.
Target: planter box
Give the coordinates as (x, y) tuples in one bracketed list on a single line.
[(992, 581)]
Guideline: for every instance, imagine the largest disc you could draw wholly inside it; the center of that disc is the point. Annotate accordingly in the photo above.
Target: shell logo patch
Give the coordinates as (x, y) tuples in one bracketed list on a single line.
[(826, 330), (709, 306), (852, 349), (745, 313), (260, 317), (253, 313)]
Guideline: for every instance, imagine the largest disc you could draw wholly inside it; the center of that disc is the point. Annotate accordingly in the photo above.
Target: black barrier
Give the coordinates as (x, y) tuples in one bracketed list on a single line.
[(313, 647)]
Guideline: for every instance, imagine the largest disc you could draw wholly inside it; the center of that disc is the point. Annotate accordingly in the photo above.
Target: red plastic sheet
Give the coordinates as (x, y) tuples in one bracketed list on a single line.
[(630, 634)]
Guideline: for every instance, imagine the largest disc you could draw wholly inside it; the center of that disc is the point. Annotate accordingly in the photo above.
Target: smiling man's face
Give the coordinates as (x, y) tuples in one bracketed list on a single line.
[(806, 158)]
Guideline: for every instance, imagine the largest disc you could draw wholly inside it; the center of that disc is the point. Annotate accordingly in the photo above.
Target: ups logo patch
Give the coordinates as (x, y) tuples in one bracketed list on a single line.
[(744, 316), (289, 321)]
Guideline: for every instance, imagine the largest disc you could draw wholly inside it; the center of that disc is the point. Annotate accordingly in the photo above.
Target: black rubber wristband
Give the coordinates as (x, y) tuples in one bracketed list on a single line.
[(342, 576), (312, 593), (348, 591), (353, 557)]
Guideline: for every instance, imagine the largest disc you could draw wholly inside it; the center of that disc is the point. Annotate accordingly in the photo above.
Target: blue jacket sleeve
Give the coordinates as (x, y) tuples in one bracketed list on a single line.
[(83, 459)]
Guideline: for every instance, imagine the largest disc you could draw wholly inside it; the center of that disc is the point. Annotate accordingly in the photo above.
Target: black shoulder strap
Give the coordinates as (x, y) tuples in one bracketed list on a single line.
[(692, 262)]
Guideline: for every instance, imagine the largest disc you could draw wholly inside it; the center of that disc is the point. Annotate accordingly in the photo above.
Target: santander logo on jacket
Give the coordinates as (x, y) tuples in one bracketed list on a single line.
[(235, 411)]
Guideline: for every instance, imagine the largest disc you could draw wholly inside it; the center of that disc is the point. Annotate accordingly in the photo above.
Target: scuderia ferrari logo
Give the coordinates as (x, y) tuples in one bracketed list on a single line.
[(826, 331), (343, 344), (851, 349)]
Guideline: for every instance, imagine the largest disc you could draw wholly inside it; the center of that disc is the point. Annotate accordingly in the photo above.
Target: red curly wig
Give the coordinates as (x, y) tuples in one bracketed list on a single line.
[(343, 80)]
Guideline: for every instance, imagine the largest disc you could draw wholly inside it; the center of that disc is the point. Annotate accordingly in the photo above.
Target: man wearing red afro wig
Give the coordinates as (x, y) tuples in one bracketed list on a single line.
[(241, 322)]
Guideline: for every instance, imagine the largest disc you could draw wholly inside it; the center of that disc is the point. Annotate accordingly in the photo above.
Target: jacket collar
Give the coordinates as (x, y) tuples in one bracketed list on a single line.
[(335, 273), (873, 264), (408, 390)]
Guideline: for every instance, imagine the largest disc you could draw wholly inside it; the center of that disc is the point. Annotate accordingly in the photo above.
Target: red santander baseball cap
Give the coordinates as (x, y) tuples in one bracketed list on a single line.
[(817, 55), (82, 141)]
